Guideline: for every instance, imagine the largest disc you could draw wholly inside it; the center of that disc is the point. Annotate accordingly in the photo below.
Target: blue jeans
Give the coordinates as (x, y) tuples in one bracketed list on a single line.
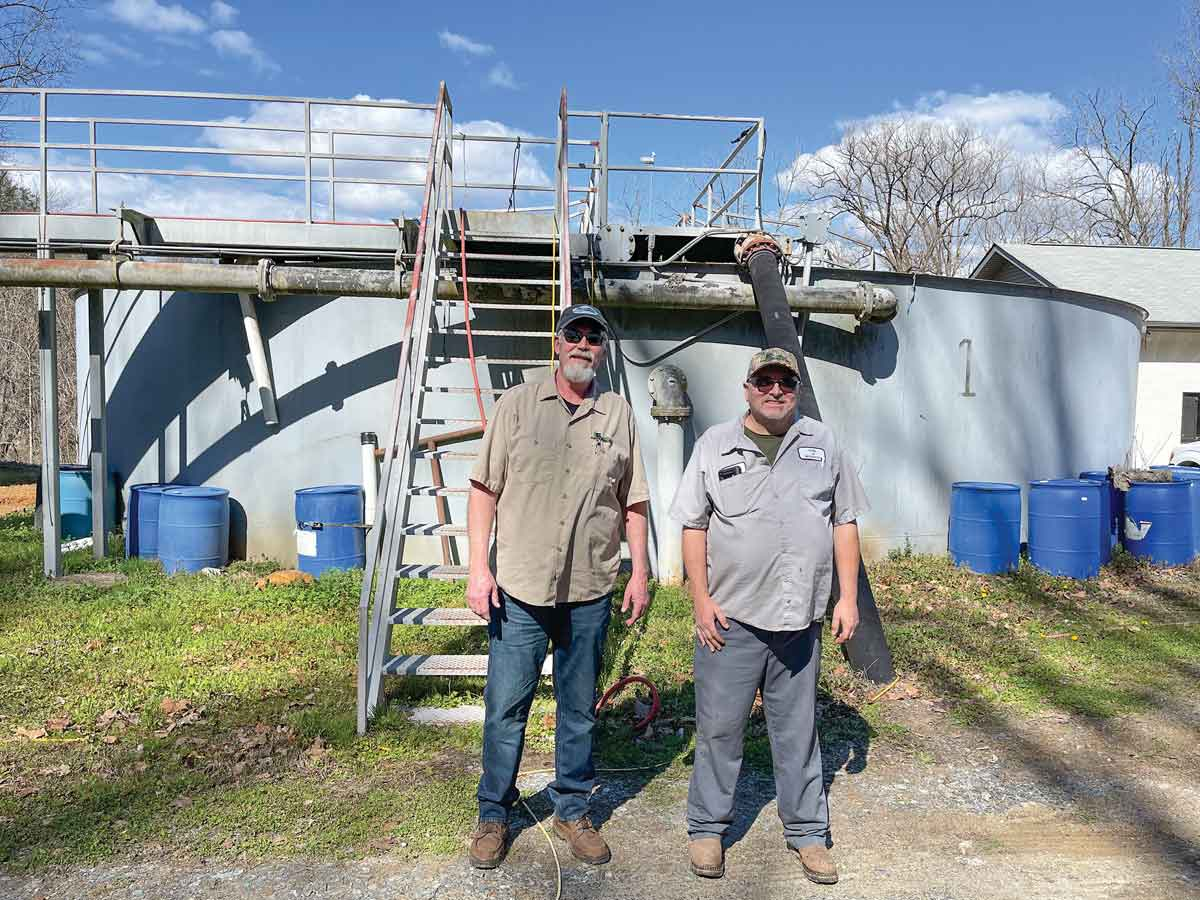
[(519, 636)]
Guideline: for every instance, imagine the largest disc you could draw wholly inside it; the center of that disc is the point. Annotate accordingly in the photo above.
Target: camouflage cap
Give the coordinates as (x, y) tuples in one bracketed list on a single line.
[(773, 356)]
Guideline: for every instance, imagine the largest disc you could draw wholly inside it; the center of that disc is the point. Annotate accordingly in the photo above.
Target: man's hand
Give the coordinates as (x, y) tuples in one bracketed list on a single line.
[(637, 598), (707, 614), (845, 620), (482, 593)]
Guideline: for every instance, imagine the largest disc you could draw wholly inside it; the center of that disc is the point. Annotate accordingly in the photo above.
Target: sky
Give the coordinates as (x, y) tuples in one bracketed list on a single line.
[(809, 70)]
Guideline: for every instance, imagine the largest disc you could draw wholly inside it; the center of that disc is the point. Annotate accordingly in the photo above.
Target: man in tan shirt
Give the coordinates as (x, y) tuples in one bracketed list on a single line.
[(559, 471)]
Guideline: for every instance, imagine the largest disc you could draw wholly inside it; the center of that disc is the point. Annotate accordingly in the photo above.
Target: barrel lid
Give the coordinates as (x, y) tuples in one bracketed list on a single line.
[(331, 489), (155, 486), (1093, 474), (1064, 482), (1184, 473), (1001, 486), (197, 491)]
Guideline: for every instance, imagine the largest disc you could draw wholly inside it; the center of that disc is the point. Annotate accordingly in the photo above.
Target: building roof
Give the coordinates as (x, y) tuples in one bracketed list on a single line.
[(1163, 280)]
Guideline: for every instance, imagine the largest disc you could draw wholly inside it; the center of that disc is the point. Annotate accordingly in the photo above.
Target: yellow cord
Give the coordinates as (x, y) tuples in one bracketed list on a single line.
[(557, 864)]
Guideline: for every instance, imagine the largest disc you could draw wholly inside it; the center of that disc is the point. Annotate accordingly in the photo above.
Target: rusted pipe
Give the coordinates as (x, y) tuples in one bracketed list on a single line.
[(677, 290)]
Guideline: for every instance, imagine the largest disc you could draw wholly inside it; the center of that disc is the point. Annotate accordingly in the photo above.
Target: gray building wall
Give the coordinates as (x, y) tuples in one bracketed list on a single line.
[(1052, 391)]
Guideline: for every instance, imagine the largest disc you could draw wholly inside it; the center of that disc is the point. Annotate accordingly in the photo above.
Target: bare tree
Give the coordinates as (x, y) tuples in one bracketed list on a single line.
[(923, 192), (35, 48)]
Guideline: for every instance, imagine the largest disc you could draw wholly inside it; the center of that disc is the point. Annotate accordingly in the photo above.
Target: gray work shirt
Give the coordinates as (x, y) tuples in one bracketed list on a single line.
[(770, 527)]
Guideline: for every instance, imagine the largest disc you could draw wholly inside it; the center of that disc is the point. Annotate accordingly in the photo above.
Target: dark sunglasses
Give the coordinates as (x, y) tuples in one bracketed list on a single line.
[(764, 383), (574, 335)]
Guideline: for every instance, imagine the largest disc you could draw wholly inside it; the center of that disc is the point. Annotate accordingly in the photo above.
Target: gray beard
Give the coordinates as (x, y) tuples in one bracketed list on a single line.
[(578, 372)]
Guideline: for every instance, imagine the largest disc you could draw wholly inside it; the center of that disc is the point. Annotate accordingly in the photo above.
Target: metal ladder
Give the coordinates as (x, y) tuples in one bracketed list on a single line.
[(441, 253)]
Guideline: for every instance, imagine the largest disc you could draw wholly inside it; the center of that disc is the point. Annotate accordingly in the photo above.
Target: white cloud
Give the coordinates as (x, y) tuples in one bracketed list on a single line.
[(221, 13), (236, 43), (1025, 121), (100, 50), (150, 15), (502, 76), (462, 44)]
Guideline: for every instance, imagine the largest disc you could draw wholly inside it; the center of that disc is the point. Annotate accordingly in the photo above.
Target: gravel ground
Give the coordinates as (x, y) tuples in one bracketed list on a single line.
[(1036, 809)]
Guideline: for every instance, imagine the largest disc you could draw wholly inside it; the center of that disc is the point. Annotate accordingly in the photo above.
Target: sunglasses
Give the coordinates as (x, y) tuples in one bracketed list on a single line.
[(574, 336), (764, 383)]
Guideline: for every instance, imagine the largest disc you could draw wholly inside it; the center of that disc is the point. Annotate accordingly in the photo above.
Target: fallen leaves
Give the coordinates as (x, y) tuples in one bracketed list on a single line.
[(60, 771), (171, 707), (29, 734), (58, 724)]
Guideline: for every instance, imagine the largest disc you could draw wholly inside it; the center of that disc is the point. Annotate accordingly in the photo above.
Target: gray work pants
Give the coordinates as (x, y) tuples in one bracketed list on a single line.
[(785, 665)]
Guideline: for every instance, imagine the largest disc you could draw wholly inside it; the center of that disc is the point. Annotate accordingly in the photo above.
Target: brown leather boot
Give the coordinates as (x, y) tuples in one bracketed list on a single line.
[(489, 844), (586, 844), (817, 863), (708, 857)]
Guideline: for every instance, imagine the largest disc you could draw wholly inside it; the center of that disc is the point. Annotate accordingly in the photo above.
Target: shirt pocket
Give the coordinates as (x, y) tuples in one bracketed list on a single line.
[(532, 458), (738, 495), (608, 461)]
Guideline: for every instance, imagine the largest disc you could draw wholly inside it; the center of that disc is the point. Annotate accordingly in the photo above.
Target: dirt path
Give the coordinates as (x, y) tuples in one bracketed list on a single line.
[(15, 497), (1042, 808)]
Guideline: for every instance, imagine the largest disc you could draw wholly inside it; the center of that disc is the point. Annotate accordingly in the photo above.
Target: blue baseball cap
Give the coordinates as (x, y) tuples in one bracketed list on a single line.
[(584, 312)]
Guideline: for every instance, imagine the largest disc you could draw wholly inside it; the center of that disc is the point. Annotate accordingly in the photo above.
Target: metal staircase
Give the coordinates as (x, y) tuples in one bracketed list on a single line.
[(505, 266)]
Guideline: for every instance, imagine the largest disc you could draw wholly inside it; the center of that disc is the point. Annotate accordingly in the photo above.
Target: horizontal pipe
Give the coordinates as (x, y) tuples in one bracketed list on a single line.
[(674, 291)]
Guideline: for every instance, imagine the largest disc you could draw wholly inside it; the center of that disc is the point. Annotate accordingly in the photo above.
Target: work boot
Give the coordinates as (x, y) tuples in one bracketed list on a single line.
[(817, 863), (708, 857), (489, 844), (586, 844)]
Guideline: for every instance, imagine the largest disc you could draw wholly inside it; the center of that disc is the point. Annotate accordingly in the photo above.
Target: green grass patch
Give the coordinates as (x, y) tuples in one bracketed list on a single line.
[(199, 715)]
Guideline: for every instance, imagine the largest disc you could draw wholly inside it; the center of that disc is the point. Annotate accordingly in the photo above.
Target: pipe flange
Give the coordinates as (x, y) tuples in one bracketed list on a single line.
[(265, 291), (867, 295), (670, 412), (752, 242)]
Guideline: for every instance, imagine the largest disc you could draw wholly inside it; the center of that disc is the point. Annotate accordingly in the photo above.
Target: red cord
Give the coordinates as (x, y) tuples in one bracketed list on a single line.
[(655, 704)]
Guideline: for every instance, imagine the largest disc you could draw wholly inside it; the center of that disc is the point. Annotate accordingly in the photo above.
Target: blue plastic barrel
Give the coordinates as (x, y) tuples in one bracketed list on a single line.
[(1158, 521), (141, 519), (327, 536), (193, 528), (75, 502), (1068, 528), (1190, 474), (1109, 501), (985, 526)]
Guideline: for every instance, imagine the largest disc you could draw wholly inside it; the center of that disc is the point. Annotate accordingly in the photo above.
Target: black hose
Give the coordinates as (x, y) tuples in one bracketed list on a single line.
[(867, 652)]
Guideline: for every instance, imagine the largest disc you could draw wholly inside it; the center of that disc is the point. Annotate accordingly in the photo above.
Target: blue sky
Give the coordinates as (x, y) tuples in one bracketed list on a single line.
[(804, 68)]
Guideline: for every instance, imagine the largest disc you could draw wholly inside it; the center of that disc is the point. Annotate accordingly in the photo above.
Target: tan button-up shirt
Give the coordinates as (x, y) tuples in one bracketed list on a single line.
[(564, 481), (770, 526)]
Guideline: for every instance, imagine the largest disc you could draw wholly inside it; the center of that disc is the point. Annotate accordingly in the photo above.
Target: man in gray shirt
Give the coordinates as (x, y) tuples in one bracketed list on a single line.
[(768, 504)]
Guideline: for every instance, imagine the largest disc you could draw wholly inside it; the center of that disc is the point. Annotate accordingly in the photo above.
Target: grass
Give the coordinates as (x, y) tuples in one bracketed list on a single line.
[(199, 715)]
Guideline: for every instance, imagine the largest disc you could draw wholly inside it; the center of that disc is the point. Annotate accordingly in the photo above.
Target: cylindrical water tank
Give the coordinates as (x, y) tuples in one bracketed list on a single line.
[(1190, 474), (141, 519), (193, 528), (327, 532), (985, 526), (1108, 501), (1158, 521), (75, 502), (1068, 531)]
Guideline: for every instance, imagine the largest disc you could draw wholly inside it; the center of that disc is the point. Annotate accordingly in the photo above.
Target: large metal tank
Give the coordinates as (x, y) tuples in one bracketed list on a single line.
[(971, 381)]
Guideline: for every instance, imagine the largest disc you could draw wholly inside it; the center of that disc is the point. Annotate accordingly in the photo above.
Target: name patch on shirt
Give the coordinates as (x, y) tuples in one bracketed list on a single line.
[(816, 454)]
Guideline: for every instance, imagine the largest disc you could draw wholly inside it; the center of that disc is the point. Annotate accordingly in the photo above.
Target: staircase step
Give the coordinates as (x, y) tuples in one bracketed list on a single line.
[(434, 528), (488, 279), (516, 307), (493, 361), (439, 665), (444, 454), (435, 615), (432, 490), (450, 421), (488, 332), (440, 573), (439, 389)]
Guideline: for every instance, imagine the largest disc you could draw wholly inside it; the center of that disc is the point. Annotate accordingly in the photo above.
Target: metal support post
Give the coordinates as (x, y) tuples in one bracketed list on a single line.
[(98, 456), (602, 184), (48, 365)]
